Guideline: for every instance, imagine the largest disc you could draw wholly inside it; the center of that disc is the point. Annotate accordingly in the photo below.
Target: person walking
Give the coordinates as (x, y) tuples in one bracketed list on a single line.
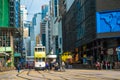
[(63, 66), (18, 67), (47, 67)]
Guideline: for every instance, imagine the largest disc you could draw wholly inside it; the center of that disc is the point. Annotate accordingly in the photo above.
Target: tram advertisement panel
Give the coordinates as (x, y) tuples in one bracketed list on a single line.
[(40, 54)]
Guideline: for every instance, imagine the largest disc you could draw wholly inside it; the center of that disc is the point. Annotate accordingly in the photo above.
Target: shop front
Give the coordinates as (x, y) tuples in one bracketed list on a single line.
[(67, 57), (6, 56), (17, 57)]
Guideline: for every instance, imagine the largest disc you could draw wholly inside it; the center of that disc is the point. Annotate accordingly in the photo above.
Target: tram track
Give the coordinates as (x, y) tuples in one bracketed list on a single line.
[(47, 75), (29, 74), (22, 77), (39, 72), (56, 75)]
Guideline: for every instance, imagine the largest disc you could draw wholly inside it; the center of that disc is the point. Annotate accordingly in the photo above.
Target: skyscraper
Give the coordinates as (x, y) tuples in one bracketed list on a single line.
[(44, 11), (43, 24)]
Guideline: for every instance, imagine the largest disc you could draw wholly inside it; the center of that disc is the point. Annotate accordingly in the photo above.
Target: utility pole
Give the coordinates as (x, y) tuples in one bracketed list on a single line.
[(5, 49)]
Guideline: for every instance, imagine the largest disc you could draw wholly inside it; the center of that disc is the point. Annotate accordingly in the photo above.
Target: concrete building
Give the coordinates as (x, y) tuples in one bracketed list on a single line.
[(57, 9), (9, 31), (87, 31), (23, 13), (54, 25), (26, 32)]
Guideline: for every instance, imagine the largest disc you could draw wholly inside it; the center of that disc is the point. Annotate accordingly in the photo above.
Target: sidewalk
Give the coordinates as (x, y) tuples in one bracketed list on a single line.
[(83, 66), (88, 67), (6, 68)]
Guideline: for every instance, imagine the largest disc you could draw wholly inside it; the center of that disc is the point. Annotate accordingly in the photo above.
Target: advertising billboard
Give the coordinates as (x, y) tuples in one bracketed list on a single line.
[(108, 21)]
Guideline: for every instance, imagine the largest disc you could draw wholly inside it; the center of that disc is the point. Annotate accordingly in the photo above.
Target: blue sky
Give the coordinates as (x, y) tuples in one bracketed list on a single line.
[(33, 6)]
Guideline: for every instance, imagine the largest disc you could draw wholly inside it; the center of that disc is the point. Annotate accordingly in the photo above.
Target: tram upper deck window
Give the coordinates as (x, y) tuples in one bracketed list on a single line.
[(40, 49), (43, 49), (35, 49)]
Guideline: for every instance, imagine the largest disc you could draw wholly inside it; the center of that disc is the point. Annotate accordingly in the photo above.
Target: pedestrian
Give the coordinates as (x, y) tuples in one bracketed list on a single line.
[(101, 64), (98, 65), (56, 66), (18, 67), (63, 65), (47, 66)]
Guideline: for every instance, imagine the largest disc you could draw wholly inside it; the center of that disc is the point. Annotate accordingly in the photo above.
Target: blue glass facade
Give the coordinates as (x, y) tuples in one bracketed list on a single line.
[(43, 39), (17, 7), (55, 4), (44, 11), (108, 21)]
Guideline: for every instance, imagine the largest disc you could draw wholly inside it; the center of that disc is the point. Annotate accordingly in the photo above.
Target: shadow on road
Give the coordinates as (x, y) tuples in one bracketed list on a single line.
[(18, 75), (28, 74)]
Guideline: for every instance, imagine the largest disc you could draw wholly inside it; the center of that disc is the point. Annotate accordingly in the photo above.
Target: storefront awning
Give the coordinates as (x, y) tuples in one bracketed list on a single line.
[(51, 56), (17, 54)]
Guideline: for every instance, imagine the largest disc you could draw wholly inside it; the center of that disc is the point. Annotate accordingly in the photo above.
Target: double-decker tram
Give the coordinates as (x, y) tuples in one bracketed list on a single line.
[(39, 57)]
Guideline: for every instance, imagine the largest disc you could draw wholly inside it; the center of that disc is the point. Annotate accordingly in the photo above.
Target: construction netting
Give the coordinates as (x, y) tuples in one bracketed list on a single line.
[(4, 13)]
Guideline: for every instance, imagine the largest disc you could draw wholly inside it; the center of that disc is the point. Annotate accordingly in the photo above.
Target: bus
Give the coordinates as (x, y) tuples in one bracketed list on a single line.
[(39, 57)]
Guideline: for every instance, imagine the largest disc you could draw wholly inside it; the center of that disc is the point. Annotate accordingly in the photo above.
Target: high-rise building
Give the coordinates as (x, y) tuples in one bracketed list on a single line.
[(90, 30), (44, 9), (43, 24), (54, 14), (43, 32), (9, 30), (57, 9), (48, 36), (36, 24)]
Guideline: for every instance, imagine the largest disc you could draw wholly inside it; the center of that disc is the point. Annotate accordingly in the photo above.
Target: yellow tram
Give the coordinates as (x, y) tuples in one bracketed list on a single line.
[(39, 57)]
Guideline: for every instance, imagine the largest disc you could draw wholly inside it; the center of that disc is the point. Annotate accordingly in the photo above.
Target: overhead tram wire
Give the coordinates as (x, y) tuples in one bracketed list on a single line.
[(34, 13)]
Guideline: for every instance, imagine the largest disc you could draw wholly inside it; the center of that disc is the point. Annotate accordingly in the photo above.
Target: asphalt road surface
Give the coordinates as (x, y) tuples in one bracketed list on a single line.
[(69, 74)]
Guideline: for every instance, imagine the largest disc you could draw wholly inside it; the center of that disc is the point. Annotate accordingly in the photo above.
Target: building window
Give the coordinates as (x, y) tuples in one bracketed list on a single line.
[(5, 39), (55, 3)]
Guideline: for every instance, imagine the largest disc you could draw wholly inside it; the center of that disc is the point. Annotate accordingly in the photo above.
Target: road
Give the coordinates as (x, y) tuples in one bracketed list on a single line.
[(69, 74)]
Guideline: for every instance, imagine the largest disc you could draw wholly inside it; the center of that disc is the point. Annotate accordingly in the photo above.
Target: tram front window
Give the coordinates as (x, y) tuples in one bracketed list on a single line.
[(38, 59)]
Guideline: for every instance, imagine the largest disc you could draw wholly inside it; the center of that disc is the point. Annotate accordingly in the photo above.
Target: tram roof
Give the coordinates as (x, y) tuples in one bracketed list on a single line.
[(40, 47)]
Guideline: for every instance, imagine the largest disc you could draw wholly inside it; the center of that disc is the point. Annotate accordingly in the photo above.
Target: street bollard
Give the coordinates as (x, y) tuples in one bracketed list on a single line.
[(106, 67), (110, 66)]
